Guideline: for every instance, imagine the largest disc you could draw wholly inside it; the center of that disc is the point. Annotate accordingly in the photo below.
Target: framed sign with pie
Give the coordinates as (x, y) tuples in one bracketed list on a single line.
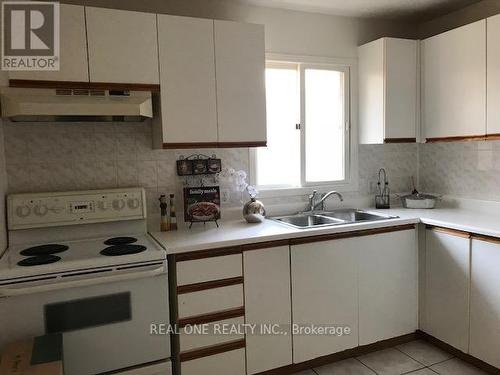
[(201, 204)]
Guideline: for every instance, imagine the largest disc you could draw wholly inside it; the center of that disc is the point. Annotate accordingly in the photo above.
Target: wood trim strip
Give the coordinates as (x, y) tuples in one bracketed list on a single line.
[(493, 137), (484, 238), (453, 232), (459, 354), (124, 86), (189, 145), (41, 84), (28, 83), (400, 140), (208, 253), (242, 144), (359, 233), (190, 288), (464, 138), (339, 356), (212, 317), (265, 245), (212, 350), (171, 146)]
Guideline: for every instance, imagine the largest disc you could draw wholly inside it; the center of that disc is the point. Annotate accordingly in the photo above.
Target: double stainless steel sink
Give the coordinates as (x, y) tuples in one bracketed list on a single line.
[(328, 218)]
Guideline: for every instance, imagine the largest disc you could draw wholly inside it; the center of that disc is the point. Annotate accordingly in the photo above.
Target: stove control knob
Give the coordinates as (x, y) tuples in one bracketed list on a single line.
[(23, 211), (118, 204), (41, 210), (103, 205), (133, 203)]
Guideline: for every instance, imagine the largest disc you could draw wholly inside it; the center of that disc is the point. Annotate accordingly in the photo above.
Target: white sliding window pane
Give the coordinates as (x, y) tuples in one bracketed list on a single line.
[(324, 125), (279, 163)]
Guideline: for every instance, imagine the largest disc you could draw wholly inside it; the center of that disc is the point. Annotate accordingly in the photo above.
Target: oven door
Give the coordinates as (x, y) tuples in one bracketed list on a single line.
[(105, 320)]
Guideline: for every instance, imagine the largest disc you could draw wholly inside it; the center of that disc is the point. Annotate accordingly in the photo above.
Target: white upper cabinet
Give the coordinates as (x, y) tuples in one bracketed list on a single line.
[(446, 308), (187, 79), (485, 301), (240, 72), (388, 91), (493, 38), (454, 82), (388, 286), (123, 46), (73, 50)]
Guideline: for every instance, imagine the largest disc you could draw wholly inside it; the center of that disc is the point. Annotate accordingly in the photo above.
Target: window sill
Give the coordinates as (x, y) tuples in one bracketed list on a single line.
[(266, 192)]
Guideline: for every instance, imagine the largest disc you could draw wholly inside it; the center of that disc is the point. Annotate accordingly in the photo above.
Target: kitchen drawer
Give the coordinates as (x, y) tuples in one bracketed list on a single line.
[(227, 363), (192, 340), (209, 269), (210, 300)]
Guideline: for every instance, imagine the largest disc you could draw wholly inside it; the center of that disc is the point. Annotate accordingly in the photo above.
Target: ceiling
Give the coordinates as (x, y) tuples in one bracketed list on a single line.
[(414, 9)]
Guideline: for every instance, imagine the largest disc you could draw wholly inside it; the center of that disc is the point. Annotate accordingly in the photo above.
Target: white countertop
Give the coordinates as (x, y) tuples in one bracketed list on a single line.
[(473, 216)]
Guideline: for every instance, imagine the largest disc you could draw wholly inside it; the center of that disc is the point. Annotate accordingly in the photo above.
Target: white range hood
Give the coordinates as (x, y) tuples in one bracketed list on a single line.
[(27, 104)]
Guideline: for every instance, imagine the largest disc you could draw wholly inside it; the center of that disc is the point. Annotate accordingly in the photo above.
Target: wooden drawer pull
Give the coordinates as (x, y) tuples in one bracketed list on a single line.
[(190, 288), (211, 350), (213, 317)]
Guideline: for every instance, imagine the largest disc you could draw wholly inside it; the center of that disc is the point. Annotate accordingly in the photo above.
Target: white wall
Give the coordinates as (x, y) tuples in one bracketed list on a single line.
[(286, 31), (3, 191), (472, 13)]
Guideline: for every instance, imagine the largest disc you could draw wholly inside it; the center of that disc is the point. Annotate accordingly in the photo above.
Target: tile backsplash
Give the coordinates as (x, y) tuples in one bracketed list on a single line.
[(465, 169), (65, 156), (60, 156)]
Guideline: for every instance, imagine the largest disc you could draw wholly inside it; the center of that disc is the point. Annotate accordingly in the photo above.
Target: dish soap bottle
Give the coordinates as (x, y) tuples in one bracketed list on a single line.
[(172, 216), (163, 214)]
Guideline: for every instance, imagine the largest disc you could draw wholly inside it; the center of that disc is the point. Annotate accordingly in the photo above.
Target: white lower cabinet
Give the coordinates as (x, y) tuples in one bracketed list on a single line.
[(446, 310), (324, 293), (227, 363), (485, 301), (267, 302), (388, 285)]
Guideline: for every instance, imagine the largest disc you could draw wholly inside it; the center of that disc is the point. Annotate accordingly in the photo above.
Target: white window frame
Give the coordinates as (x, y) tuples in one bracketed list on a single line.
[(350, 182)]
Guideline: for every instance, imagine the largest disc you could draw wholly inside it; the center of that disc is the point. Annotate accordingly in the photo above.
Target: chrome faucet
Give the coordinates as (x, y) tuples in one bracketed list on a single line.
[(315, 201)]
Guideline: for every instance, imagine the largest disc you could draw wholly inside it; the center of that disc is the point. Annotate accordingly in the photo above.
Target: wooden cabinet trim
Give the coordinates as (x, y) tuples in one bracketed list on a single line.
[(359, 233), (208, 253), (28, 83), (212, 317), (170, 146), (453, 232), (265, 245), (493, 137), (486, 137), (211, 350), (39, 84), (242, 144), (464, 138), (481, 237), (400, 140), (124, 86), (190, 288)]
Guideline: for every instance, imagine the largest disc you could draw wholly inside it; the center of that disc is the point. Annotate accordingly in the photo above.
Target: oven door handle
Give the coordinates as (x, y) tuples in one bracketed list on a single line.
[(58, 284)]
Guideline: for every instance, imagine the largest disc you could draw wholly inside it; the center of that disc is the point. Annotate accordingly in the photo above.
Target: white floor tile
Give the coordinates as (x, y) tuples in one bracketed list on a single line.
[(424, 352), (456, 366), (390, 362), (346, 367)]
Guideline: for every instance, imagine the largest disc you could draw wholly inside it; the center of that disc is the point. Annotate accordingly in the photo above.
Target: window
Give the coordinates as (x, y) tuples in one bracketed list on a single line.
[(307, 127)]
